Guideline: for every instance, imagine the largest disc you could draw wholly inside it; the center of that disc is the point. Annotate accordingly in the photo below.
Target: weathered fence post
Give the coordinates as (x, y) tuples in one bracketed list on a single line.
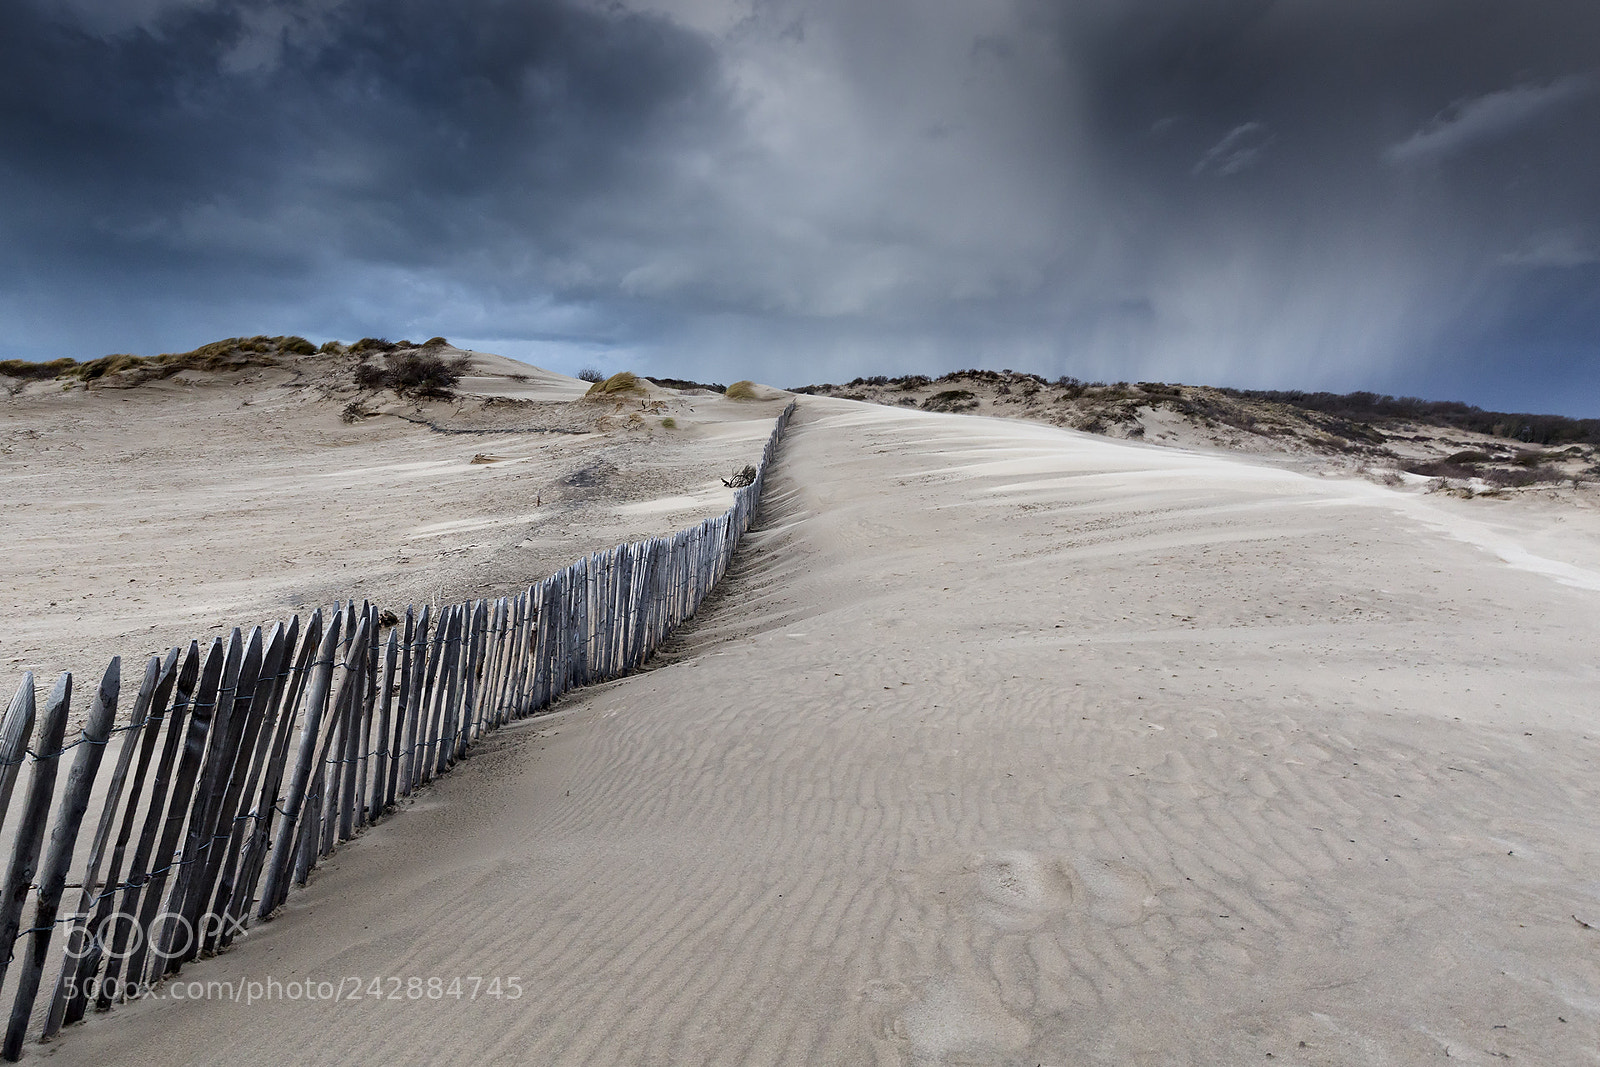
[(87, 950), (15, 730), (139, 868), (35, 814), (380, 763), (53, 875), (316, 705)]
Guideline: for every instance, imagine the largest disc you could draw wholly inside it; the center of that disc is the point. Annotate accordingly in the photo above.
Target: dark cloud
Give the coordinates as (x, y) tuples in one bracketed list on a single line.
[(1343, 194), (275, 156)]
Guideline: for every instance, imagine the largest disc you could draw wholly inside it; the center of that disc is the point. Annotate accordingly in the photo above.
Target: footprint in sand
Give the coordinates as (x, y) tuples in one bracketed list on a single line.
[(1018, 890), (1118, 894), (960, 1020)]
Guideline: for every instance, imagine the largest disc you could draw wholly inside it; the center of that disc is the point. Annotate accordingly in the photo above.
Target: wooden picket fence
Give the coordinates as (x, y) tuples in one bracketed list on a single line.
[(199, 833)]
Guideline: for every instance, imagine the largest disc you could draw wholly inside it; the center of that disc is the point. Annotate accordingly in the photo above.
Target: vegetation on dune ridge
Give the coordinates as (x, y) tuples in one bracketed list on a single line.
[(1384, 434), (1352, 417), (1376, 407), (685, 383), (231, 353), (745, 390)]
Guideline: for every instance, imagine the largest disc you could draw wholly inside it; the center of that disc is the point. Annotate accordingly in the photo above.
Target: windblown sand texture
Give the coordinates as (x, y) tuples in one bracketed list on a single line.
[(139, 518), (1006, 745)]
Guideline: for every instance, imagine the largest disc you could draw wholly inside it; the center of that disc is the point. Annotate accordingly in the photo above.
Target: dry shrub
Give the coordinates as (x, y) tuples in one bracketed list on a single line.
[(591, 375), (951, 400), (1519, 479), (686, 383), (416, 373), (1444, 468)]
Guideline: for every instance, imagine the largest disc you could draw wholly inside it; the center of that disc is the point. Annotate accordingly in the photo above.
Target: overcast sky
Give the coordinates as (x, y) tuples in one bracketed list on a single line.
[(1401, 195)]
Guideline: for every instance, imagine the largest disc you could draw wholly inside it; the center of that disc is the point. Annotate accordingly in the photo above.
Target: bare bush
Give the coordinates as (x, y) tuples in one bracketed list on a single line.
[(951, 400), (415, 373)]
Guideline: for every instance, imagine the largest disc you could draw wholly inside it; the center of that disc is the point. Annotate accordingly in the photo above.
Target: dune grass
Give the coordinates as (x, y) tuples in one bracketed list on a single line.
[(231, 353), (622, 383)]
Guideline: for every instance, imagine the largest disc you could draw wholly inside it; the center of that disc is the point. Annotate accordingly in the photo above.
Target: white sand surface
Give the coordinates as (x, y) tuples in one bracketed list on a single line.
[(1004, 745), (139, 518)]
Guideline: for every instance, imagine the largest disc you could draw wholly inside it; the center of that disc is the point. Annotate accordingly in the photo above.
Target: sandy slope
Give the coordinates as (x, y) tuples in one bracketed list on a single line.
[(136, 518), (1005, 745)]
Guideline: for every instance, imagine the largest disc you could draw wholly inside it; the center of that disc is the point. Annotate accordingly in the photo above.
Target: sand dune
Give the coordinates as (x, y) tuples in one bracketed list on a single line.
[(1004, 744), (141, 517)]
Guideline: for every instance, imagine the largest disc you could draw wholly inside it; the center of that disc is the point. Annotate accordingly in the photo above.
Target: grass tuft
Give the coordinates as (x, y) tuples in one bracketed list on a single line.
[(622, 383)]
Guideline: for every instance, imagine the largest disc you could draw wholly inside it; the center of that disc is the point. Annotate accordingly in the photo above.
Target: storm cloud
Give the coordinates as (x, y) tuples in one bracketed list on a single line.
[(1333, 193)]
